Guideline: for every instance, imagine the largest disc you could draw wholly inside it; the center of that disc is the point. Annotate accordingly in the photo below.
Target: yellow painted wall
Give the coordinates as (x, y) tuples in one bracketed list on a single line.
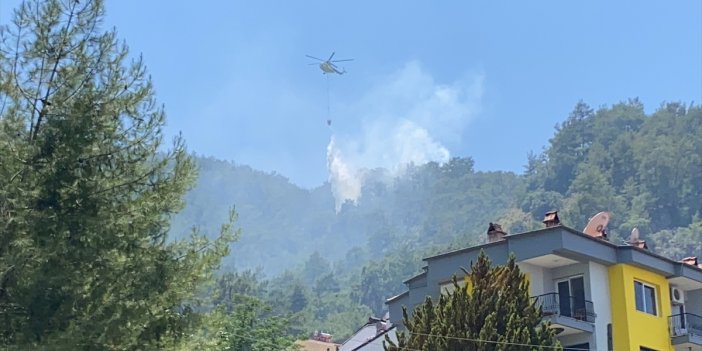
[(632, 328), (527, 277)]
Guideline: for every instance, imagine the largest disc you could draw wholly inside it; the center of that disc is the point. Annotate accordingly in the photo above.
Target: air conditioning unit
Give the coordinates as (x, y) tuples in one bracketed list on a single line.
[(677, 296)]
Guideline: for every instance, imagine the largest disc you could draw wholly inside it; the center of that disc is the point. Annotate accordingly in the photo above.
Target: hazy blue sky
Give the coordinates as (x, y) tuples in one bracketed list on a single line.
[(485, 79)]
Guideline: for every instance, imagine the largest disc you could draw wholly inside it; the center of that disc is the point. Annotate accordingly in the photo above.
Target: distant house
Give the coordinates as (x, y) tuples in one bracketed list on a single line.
[(316, 345), (370, 337), (319, 341)]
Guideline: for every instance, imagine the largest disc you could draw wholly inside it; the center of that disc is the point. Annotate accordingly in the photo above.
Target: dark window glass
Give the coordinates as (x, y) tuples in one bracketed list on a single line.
[(564, 298), (645, 296), (638, 290), (650, 295)]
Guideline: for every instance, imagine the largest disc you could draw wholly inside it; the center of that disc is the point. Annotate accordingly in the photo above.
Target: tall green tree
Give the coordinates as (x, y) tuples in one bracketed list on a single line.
[(493, 312), (680, 242), (241, 319), (87, 192)]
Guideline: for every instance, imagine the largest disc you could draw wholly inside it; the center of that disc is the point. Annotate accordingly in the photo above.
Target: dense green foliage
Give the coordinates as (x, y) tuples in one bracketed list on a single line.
[(87, 194), (642, 168), (289, 223), (493, 312), (331, 271)]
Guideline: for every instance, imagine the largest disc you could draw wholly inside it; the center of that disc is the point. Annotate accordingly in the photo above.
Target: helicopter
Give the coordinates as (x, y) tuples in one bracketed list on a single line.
[(328, 66)]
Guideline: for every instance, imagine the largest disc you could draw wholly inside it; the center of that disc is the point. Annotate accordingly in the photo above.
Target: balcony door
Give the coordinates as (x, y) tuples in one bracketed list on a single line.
[(571, 297)]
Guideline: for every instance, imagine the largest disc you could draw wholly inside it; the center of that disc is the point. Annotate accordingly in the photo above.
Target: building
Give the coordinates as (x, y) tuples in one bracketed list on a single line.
[(319, 341), (370, 336), (316, 345), (599, 295)]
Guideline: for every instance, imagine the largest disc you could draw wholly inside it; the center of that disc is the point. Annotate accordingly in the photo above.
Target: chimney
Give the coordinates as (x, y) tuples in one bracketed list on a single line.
[(641, 244), (380, 327), (551, 219), (692, 261), (495, 233)]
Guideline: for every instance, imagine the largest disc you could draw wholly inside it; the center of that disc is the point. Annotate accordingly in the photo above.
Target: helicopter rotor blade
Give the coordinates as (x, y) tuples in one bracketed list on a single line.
[(312, 57), (332, 55), (342, 60)]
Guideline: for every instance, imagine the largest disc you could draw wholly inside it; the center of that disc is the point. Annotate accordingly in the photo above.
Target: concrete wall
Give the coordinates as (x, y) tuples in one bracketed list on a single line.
[(693, 302), (575, 339), (443, 268), (536, 277), (631, 328), (395, 310), (600, 297), (417, 297)]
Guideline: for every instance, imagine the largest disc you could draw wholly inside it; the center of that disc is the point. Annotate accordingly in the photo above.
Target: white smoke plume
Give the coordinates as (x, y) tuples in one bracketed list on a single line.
[(346, 181), (406, 119)]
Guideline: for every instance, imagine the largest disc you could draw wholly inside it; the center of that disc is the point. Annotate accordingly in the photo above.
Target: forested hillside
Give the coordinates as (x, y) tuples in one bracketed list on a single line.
[(645, 170), (330, 270), (283, 224)]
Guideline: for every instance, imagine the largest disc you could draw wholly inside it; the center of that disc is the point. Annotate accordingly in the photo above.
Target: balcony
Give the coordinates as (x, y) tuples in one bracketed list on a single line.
[(568, 314), (686, 331)]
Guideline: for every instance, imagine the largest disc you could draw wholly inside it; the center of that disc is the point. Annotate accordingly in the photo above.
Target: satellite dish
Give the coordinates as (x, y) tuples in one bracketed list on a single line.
[(597, 226)]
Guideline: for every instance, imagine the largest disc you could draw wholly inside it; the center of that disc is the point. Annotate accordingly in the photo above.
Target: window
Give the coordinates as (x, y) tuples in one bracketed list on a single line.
[(645, 297), (646, 349), (571, 297)]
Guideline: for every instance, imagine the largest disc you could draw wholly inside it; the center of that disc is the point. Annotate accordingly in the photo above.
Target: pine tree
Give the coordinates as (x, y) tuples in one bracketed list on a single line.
[(87, 192), (492, 312)]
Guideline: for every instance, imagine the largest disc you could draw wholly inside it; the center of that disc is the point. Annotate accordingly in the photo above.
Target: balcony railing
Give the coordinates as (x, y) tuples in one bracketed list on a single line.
[(685, 324), (566, 306)]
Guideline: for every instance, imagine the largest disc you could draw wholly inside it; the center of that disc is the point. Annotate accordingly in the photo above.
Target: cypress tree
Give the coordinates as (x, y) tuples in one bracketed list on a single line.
[(493, 312), (87, 192)]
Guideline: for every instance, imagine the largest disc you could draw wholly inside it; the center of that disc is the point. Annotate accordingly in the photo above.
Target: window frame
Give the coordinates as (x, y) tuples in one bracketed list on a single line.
[(644, 286), (570, 285)]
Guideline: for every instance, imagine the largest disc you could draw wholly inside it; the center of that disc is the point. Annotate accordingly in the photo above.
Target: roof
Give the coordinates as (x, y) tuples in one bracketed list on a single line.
[(420, 275), (374, 338), (315, 345), (610, 253), (397, 297)]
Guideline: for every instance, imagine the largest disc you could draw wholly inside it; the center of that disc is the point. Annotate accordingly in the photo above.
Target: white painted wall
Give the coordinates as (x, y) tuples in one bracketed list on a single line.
[(577, 339), (536, 277), (599, 292)]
